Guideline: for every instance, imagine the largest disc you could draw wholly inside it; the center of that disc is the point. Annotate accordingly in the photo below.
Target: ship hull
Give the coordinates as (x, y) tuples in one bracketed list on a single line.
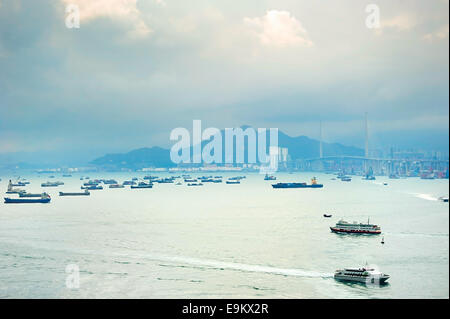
[(363, 280), (297, 186), (25, 201), (352, 231)]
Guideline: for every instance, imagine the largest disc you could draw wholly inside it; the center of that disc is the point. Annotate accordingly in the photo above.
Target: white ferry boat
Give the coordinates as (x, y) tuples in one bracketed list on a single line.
[(362, 275), (356, 228)]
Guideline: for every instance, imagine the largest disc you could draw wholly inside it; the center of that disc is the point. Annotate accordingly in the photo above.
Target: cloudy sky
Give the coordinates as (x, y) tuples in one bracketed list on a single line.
[(135, 70)]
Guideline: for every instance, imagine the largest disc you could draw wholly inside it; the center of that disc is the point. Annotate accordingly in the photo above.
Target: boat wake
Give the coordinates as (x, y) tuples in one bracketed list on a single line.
[(425, 196), (214, 264)]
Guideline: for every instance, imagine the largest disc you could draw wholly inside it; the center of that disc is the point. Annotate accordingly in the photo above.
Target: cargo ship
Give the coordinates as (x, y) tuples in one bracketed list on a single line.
[(85, 193), (29, 195), (116, 186), (194, 184), (92, 187), (52, 184), (45, 198), (313, 184), (356, 228), (142, 185)]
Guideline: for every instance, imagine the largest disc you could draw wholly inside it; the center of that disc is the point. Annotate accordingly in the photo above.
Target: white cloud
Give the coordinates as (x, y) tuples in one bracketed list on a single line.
[(441, 33), (279, 28), (401, 22), (123, 10)]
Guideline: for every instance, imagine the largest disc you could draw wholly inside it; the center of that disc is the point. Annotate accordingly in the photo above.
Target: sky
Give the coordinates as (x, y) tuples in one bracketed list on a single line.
[(136, 69)]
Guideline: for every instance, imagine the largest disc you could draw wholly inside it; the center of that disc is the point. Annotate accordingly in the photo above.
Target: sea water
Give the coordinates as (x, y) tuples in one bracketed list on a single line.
[(225, 241)]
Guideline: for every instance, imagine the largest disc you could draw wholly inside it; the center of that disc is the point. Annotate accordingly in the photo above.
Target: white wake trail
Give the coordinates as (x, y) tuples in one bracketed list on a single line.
[(214, 264)]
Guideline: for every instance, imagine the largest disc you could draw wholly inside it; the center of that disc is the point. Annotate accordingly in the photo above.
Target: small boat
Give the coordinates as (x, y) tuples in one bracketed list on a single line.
[(385, 184), (230, 181), (190, 180), (129, 183), (444, 199), (382, 240), (142, 185), (361, 275), (346, 179), (67, 175), (85, 193), (269, 178), (327, 215), (45, 198)]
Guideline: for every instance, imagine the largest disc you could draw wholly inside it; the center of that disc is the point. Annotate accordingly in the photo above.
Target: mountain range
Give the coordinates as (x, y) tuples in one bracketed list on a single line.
[(300, 147)]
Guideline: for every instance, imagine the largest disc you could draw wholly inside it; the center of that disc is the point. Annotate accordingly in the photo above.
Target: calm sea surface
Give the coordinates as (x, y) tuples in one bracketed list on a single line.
[(225, 241)]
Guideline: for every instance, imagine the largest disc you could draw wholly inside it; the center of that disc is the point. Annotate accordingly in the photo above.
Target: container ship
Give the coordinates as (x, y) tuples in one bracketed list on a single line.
[(313, 184), (356, 228)]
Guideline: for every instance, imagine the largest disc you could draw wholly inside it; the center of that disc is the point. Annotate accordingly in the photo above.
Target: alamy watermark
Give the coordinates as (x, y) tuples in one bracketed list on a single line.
[(373, 18), (73, 277), (212, 151), (73, 16)]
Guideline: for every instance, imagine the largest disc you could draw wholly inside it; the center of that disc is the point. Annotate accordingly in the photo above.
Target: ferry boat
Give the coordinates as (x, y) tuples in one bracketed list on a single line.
[(85, 193), (356, 228), (361, 275), (45, 198), (298, 185)]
